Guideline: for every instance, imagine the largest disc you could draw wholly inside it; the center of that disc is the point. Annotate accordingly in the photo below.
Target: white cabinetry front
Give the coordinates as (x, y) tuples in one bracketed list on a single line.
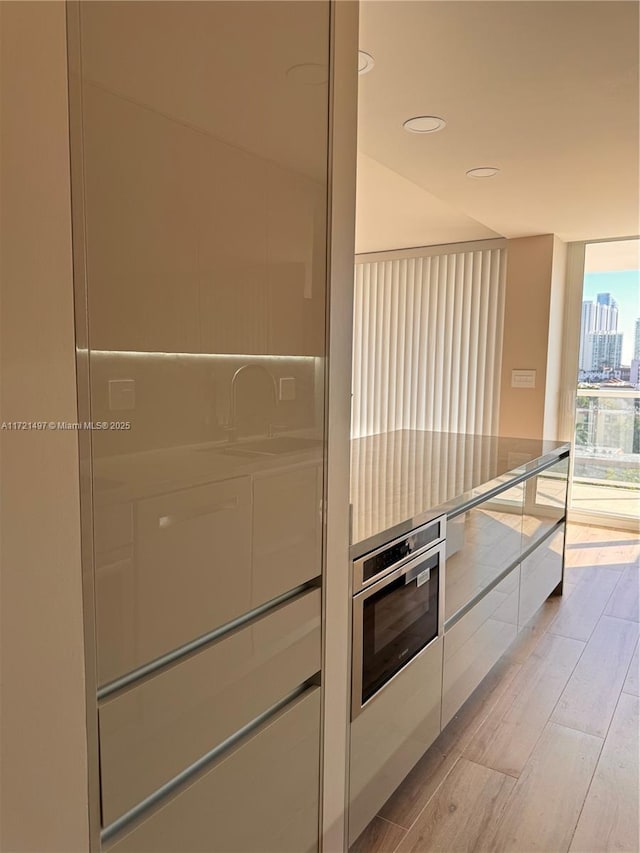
[(541, 574), (287, 530), (476, 641), (156, 729), (260, 796), (190, 545), (392, 734)]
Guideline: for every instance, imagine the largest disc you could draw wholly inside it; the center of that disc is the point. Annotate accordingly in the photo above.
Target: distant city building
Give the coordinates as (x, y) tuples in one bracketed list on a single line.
[(636, 341), (598, 316), (634, 373), (603, 352)]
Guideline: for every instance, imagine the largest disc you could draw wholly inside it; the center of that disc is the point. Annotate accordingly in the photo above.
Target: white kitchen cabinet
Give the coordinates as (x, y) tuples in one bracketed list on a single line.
[(200, 167), (392, 733), (545, 502), (232, 248), (261, 797), (296, 263), (115, 612), (190, 573), (154, 730), (113, 535), (541, 574), (476, 641), (140, 173), (481, 543), (287, 530)]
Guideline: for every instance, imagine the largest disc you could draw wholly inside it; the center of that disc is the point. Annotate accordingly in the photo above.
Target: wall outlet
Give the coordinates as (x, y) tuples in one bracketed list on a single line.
[(122, 395), (287, 388)]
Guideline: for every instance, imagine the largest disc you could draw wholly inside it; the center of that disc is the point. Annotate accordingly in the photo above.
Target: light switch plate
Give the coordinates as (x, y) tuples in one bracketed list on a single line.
[(122, 395), (287, 388), (523, 379)]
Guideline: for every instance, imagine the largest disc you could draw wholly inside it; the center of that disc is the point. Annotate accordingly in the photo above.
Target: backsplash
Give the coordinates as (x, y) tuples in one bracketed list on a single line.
[(182, 398)]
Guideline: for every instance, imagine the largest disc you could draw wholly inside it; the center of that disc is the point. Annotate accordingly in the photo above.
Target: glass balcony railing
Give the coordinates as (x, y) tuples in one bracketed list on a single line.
[(606, 474)]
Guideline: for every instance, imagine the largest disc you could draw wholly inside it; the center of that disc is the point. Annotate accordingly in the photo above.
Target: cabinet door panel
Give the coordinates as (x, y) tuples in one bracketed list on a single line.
[(156, 729), (141, 178), (296, 217), (287, 528), (545, 502), (541, 573), (191, 572), (232, 250), (476, 641), (481, 544), (115, 612), (260, 798), (392, 733)]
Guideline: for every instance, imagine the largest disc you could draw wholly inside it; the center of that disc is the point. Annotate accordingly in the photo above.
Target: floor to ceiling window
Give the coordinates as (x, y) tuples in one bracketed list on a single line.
[(606, 472)]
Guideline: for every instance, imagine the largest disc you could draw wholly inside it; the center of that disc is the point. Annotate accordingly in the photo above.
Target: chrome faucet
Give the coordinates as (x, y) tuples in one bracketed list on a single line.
[(247, 369)]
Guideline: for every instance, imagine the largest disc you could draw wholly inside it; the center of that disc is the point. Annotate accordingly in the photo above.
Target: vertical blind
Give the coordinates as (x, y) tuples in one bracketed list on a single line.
[(427, 341)]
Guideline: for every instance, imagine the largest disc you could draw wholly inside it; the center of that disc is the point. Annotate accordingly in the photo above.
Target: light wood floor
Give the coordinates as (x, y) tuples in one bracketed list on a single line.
[(544, 755)]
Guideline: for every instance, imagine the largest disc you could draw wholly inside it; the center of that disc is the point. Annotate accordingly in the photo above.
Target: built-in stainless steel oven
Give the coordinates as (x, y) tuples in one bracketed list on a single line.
[(397, 615)]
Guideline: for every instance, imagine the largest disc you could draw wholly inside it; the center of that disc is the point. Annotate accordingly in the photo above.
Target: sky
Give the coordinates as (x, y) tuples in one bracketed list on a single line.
[(624, 286)]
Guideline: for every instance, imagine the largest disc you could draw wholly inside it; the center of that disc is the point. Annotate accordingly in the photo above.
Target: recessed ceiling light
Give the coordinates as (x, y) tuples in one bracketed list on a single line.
[(365, 62), (309, 73), (424, 124), (483, 172)]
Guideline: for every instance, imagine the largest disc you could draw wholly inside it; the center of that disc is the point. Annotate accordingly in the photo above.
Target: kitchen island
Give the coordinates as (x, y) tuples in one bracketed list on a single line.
[(403, 478), (502, 503)]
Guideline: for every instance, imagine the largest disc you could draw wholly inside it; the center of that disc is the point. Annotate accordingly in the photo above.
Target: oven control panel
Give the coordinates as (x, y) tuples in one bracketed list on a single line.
[(374, 565)]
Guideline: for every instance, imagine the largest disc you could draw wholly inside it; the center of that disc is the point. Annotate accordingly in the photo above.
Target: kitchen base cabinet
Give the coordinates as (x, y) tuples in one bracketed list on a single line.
[(261, 797), (392, 733), (481, 544), (154, 730), (476, 641), (541, 574), (286, 532), (184, 545), (545, 502), (505, 506)]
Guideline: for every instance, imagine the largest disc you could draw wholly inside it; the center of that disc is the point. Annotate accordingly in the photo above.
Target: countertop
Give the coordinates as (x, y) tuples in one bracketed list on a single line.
[(404, 478), (135, 476)]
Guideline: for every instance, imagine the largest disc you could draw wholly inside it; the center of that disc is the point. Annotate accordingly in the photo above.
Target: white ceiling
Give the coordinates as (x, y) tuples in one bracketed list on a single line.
[(546, 91)]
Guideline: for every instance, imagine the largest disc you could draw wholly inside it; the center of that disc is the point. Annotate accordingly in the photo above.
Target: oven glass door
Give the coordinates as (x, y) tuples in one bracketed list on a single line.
[(399, 618)]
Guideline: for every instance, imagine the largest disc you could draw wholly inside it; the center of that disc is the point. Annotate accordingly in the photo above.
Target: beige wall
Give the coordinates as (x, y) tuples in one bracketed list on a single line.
[(555, 343), (532, 322), (43, 744)]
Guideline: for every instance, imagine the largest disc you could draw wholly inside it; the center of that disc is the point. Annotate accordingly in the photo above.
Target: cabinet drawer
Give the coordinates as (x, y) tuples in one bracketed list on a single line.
[(262, 797), (545, 502), (481, 544), (153, 731), (190, 546), (392, 734), (541, 573), (476, 641)]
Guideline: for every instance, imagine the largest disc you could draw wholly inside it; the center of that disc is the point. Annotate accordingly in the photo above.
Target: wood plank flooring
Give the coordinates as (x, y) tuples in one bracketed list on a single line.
[(544, 755)]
